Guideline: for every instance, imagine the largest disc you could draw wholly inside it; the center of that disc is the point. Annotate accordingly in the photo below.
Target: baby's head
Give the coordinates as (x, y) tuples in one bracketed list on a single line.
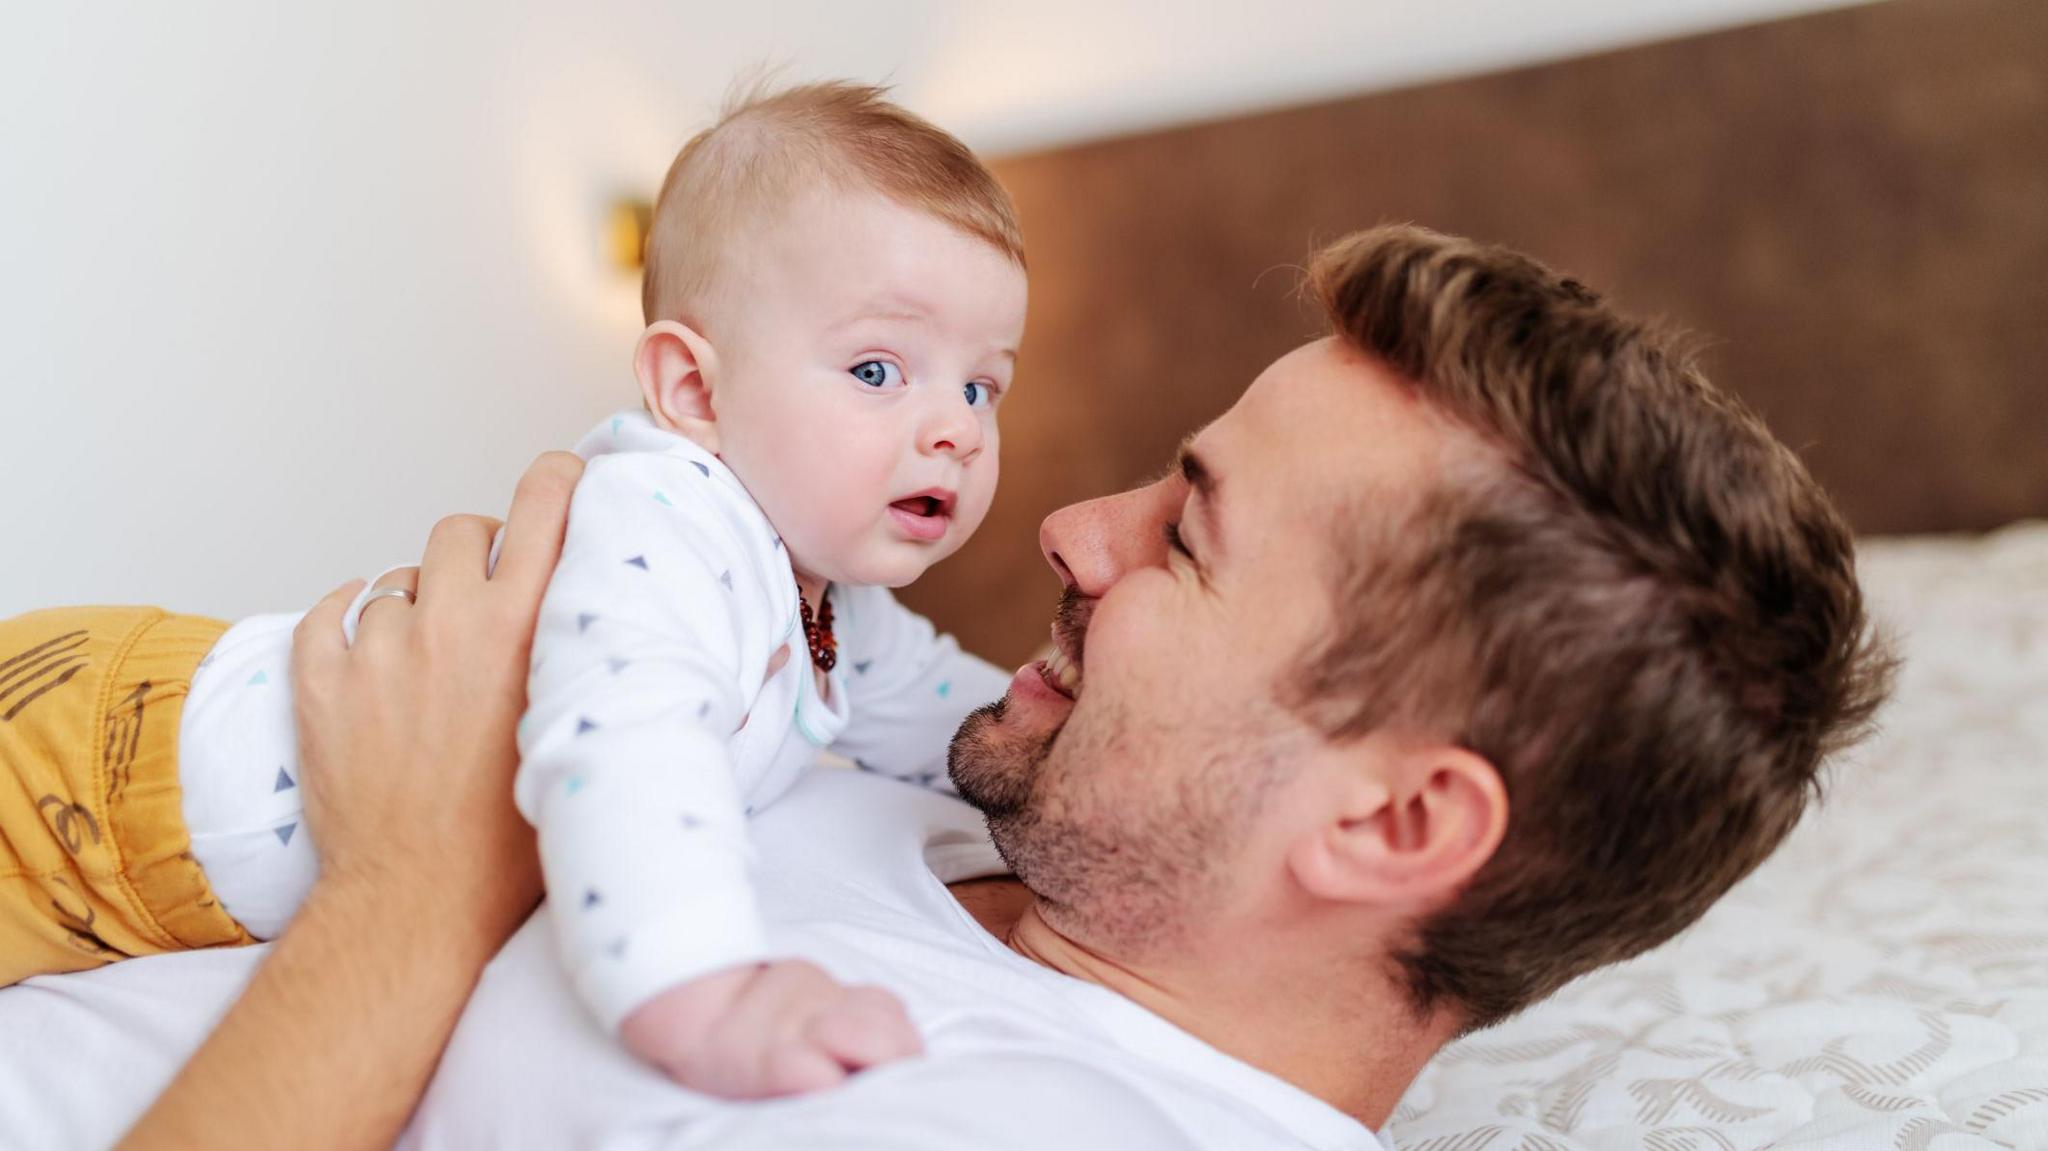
[(834, 299)]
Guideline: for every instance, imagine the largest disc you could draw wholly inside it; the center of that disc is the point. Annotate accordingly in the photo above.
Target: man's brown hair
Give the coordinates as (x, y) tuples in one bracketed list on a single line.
[(1639, 607), (768, 147)]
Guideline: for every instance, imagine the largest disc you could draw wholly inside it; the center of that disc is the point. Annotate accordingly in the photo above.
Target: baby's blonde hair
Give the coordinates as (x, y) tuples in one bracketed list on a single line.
[(767, 148)]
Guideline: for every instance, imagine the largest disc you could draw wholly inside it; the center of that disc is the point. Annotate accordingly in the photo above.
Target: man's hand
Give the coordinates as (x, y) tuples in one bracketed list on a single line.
[(406, 740), (407, 737), (769, 1029)]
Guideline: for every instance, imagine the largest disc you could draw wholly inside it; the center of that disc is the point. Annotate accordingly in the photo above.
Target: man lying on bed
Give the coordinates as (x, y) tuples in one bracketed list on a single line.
[(1479, 645)]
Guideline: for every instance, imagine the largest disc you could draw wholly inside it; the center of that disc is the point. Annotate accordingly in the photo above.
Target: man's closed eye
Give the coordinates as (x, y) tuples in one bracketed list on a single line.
[(1175, 542)]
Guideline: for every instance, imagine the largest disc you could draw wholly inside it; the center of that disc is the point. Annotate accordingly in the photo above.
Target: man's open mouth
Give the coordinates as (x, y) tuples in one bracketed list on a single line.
[(1062, 674)]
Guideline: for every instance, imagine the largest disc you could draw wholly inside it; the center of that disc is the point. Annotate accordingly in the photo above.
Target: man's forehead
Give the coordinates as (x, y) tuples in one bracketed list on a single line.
[(1321, 421)]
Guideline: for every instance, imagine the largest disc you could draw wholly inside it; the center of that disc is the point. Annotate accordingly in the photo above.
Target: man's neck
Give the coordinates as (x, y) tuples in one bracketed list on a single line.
[(1356, 1052)]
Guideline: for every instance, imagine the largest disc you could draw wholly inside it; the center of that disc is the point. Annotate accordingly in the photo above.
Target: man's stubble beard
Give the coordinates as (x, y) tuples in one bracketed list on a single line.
[(992, 768), (991, 773), (1128, 876)]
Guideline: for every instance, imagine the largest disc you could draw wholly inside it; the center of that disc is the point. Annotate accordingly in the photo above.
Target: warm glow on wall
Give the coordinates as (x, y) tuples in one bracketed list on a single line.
[(626, 233)]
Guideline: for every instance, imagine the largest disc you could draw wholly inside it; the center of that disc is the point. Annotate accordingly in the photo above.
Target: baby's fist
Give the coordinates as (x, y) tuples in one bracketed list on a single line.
[(783, 1028)]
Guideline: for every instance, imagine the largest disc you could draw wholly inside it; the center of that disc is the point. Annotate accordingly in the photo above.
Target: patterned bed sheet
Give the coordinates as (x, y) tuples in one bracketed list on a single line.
[(1881, 983)]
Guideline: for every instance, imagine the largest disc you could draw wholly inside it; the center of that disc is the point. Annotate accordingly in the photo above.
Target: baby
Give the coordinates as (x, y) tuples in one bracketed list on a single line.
[(835, 294)]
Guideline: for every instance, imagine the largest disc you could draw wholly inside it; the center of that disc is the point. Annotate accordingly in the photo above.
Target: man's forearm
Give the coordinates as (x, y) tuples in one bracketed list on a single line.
[(336, 1036)]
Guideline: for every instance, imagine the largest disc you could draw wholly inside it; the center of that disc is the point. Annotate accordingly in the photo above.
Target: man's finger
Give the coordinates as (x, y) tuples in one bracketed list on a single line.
[(533, 528), (380, 615), (455, 555), (317, 638)]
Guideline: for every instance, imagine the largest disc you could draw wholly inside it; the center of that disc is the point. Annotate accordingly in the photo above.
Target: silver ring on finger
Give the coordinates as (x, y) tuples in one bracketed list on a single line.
[(352, 620), (404, 593)]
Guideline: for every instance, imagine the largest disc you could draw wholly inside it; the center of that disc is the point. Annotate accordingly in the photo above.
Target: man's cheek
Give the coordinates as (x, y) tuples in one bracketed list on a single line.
[(1129, 631)]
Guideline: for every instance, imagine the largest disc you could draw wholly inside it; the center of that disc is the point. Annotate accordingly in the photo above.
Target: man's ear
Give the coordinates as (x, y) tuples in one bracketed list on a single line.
[(676, 367), (1409, 826)]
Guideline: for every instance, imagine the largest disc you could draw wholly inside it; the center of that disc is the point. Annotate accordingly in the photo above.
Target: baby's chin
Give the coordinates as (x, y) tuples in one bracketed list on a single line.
[(897, 566)]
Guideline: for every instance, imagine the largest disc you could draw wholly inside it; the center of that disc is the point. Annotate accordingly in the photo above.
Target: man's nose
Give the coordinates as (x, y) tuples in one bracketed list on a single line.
[(1092, 545), (949, 427)]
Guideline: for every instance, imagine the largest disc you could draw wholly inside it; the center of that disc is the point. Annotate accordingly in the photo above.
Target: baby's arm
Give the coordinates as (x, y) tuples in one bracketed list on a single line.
[(649, 627), (908, 687), (656, 617)]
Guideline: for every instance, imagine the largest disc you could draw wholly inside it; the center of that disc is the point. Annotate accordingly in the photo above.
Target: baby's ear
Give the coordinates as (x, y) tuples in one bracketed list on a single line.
[(675, 366)]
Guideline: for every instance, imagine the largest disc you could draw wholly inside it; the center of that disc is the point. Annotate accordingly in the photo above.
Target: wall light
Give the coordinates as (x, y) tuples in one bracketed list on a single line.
[(625, 228)]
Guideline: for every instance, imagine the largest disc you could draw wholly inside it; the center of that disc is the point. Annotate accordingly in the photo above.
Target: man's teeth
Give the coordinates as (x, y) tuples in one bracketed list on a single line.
[(1064, 672)]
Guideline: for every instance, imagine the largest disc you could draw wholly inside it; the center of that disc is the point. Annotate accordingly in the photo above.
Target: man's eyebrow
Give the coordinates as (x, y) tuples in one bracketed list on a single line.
[(1203, 480)]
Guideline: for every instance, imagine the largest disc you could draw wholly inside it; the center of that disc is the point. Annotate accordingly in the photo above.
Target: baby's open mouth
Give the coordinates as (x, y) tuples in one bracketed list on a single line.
[(924, 517)]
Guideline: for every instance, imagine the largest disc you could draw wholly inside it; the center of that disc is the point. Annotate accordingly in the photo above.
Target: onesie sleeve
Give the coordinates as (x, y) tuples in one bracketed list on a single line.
[(908, 687), (654, 619)]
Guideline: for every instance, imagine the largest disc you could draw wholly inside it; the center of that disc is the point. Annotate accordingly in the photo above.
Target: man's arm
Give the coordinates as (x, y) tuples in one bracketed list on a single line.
[(338, 1032), (407, 746)]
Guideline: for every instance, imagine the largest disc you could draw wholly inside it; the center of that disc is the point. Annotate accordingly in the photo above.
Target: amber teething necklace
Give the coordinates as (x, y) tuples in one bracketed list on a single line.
[(818, 632)]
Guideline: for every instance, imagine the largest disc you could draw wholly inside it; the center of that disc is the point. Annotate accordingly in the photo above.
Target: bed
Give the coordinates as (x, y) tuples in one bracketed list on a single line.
[(1881, 984)]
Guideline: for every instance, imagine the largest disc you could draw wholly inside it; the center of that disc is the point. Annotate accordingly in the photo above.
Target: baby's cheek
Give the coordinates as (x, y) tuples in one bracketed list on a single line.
[(974, 507)]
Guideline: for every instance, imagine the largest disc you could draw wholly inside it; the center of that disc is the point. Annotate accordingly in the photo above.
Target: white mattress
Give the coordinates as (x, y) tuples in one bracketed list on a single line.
[(1881, 984)]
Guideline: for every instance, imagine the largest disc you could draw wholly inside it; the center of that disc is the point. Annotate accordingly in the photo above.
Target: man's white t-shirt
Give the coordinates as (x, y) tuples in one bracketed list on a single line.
[(852, 877)]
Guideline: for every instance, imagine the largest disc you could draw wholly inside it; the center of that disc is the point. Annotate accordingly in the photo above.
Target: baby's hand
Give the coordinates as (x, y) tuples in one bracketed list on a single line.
[(767, 1029)]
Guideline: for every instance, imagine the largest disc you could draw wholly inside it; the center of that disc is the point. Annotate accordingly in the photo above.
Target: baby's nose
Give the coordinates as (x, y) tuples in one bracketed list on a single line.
[(951, 429)]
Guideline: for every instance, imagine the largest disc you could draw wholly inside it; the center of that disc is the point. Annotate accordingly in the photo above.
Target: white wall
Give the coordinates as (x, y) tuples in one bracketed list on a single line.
[(281, 284)]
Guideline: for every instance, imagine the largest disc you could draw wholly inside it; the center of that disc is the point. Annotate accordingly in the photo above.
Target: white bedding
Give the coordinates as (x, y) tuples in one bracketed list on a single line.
[(1880, 985)]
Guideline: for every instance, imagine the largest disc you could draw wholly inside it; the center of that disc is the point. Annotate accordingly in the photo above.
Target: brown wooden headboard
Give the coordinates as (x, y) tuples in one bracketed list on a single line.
[(1853, 205)]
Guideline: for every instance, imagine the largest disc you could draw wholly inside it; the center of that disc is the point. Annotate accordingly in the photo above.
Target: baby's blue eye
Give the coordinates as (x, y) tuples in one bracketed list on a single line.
[(978, 394), (878, 373)]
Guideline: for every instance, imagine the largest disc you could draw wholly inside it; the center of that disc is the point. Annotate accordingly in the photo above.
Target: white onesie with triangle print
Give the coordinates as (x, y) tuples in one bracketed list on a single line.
[(653, 726)]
